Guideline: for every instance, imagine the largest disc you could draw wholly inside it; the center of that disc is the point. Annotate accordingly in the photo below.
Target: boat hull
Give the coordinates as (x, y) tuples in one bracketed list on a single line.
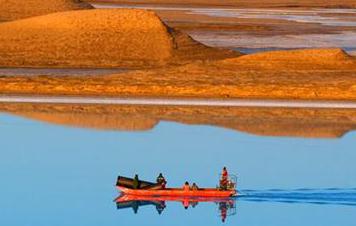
[(208, 192)]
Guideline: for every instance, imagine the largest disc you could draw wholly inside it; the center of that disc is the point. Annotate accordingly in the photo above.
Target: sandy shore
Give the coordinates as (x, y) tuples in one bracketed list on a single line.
[(322, 123), (303, 74)]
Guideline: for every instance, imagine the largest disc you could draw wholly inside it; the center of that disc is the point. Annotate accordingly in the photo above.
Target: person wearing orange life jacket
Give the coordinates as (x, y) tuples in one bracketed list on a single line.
[(194, 187), (224, 179), (186, 186)]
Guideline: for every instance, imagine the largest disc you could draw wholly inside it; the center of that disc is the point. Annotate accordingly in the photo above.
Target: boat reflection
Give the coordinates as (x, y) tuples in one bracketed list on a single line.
[(226, 206)]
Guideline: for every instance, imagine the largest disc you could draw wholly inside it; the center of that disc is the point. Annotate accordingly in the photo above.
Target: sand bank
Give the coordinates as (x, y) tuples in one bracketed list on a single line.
[(15, 9), (308, 59), (125, 38), (325, 123), (303, 74)]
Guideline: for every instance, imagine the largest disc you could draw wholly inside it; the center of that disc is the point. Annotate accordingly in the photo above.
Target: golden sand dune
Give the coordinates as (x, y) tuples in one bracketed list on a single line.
[(18, 9), (296, 75), (308, 59), (243, 3), (326, 123), (98, 38)]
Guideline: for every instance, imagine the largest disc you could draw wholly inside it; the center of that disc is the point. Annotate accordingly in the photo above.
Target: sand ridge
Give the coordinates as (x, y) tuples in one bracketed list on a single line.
[(19, 9), (302, 59), (127, 38), (252, 76)]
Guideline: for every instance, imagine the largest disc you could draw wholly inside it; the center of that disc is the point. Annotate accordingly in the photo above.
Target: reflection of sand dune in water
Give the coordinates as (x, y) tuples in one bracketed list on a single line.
[(270, 122), (330, 196), (18, 9)]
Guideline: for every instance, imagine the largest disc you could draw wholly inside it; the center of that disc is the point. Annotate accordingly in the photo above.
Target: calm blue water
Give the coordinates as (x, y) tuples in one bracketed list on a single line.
[(54, 175)]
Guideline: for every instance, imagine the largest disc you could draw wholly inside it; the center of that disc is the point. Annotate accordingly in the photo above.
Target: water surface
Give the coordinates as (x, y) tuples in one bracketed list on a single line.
[(58, 175)]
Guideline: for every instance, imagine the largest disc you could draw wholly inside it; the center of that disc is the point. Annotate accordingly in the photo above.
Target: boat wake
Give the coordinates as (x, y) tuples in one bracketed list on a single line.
[(328, 196)]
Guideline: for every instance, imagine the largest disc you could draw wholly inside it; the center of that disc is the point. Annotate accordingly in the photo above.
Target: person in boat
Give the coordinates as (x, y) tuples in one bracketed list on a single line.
[(161, 180), (224, 179), (186, 186), (195, 187), (136, 182)]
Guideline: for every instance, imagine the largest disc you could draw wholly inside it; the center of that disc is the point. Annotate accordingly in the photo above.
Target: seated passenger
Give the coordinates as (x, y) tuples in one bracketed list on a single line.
[(161, 180), (136, 182), (186, 186), (195, 187)]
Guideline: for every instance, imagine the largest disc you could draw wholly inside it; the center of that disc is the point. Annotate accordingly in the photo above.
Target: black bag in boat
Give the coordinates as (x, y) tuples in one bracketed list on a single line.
[(128, 183)]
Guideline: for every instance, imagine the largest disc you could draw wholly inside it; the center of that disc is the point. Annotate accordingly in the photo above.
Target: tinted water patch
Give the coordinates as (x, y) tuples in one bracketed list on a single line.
[(258, 50), (238, 40), (301, 16), (349, 50)]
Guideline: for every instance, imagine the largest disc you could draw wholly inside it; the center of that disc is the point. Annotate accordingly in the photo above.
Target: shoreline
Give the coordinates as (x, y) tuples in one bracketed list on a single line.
[(204, 102)]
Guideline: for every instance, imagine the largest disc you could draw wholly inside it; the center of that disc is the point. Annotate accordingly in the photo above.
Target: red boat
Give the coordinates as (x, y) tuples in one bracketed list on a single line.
[(206, 192), (145, 188), (129, 198)]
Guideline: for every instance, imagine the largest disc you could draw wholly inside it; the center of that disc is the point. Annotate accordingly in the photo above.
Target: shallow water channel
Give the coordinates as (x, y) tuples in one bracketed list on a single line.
[(251, 41), (57, 170)]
